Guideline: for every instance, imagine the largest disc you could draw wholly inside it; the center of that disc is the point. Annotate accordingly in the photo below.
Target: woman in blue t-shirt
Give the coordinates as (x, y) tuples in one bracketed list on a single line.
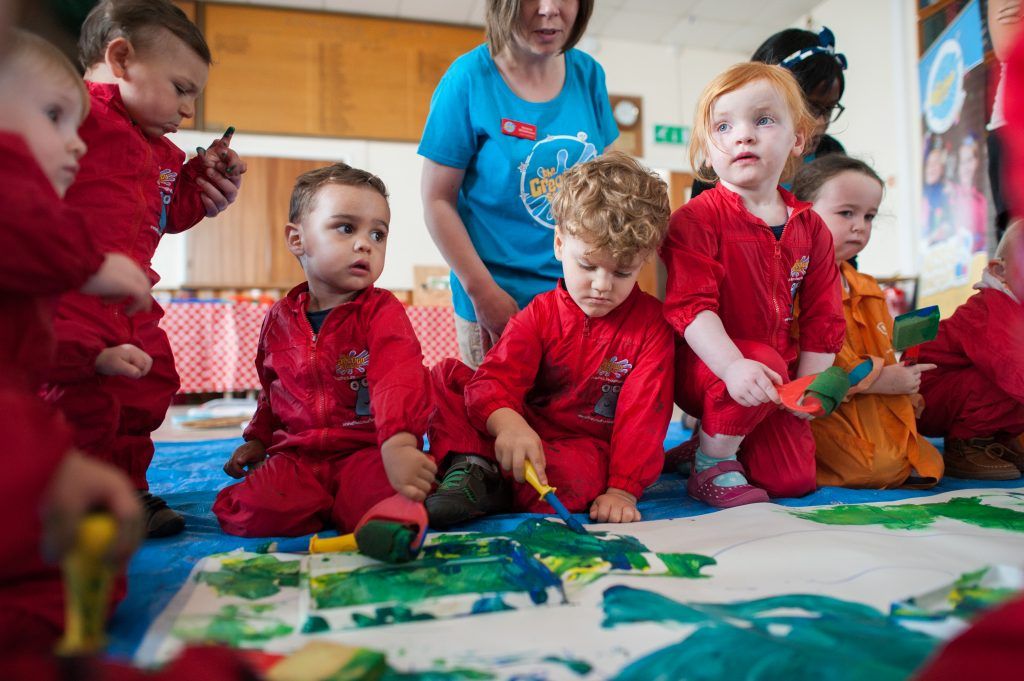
[(505, 121)]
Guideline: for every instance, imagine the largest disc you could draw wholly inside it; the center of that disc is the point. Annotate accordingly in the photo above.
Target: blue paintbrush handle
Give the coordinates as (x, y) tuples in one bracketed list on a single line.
[(563, 513)]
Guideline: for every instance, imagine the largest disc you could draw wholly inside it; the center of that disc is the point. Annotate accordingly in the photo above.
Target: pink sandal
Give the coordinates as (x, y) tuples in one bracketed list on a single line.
[(701, 487)]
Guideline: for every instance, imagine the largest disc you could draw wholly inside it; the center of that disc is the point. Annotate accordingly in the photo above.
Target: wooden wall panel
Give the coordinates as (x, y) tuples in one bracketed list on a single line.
[(315, 73), (244, 246)]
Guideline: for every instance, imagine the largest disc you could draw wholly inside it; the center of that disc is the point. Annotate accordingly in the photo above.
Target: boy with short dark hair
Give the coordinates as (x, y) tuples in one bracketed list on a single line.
[(145, 65), (580, 383), (345, 394)]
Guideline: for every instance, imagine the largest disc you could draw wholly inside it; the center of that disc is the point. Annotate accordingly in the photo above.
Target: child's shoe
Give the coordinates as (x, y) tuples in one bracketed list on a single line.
[(701, 486), (1010, 448), (679, 459), (161, 520), (977, 459), (472, 486)]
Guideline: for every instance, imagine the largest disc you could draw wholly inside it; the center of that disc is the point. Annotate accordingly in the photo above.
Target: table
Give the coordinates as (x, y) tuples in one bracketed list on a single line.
[(214, 341)]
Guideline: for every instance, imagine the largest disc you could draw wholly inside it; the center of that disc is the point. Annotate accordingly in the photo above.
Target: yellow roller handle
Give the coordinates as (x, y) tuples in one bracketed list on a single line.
[(530, 473), (345, 542), (88, 575)]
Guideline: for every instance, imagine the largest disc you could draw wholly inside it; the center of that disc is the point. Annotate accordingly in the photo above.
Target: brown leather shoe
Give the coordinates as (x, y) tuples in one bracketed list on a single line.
[(1009, 448), (976, 459)]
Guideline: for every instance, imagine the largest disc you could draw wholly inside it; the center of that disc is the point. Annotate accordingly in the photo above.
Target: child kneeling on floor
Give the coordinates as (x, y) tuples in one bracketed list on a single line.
[(345, 393), (871, 439), (580, 383), (975, 398)]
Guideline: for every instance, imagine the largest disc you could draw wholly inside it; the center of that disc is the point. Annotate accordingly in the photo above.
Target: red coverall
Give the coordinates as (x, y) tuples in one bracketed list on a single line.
[(722, 259), (329, 401), (978, 388), (131, 190), (597, 391), (47, 251)]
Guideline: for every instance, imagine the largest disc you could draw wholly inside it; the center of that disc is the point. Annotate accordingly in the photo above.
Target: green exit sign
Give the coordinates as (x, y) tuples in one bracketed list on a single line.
[(672, 134)]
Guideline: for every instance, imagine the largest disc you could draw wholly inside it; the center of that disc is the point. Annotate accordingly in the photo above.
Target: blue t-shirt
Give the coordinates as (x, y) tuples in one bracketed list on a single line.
[(505, 198)]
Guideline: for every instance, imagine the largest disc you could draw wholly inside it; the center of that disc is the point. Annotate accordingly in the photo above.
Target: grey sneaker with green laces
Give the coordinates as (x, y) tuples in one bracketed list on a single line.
[(472, 486)]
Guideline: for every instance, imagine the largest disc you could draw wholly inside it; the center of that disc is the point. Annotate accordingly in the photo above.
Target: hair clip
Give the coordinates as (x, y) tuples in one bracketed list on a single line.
[(826, 45)]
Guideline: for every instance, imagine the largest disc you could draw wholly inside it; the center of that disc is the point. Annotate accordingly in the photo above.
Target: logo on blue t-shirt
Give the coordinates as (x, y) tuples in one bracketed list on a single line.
[(541, 172)]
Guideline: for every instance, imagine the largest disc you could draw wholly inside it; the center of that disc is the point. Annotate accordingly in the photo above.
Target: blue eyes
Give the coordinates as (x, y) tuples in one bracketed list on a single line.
[(763, 120)]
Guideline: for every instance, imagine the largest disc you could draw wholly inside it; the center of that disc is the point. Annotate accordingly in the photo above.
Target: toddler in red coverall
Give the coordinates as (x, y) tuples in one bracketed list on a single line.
[(739, 258), (580, 383), (975, 398), (47, 485), (345, 394), (145, 65)]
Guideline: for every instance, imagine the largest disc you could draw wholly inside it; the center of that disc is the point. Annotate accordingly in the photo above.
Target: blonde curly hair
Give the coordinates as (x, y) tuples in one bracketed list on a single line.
[(613, 203)]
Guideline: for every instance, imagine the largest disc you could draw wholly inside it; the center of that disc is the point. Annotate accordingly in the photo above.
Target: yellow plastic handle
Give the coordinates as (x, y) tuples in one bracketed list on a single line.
[(88, 575), (530, 473), (343, 543)]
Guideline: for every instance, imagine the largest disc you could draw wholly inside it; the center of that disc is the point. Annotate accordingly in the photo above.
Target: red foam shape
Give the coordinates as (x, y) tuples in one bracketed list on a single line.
[(792, 392)]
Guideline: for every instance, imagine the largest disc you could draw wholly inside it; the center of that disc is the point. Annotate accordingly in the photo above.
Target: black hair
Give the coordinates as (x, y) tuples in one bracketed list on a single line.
[(814, 71)]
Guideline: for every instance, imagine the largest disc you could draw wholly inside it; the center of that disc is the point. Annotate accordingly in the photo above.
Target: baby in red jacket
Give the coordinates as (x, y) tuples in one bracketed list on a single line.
[(345, 394), (580, 383)]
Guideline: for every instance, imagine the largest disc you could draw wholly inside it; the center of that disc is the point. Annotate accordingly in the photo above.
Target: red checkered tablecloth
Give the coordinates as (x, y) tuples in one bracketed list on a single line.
[(214, 343), (435, 327)]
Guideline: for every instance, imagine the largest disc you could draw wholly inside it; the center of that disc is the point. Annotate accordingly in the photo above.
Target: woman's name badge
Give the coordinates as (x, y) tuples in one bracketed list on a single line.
[(516, 129)]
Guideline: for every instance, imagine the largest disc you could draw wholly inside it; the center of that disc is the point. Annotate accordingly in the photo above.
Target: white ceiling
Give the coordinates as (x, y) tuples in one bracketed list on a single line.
[(735, 25)]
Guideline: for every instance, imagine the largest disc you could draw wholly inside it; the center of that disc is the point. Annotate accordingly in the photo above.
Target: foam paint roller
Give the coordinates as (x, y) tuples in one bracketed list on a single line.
[(392, 530), (912, 329)]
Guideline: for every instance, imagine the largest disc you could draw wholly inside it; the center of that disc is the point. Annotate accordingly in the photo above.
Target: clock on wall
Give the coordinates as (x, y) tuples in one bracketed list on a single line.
[(628, 114)]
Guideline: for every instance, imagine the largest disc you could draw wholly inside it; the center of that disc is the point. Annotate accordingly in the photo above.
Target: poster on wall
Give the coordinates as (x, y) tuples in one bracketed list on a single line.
[(955, 211)]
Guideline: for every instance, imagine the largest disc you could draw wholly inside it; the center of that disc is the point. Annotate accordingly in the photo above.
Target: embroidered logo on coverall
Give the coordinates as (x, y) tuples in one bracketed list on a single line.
[(349, 367), (165, 183), (796, 277), (610, 374)]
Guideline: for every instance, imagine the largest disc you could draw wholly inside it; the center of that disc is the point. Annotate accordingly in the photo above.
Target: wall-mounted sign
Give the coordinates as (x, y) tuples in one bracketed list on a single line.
[(672, 134)]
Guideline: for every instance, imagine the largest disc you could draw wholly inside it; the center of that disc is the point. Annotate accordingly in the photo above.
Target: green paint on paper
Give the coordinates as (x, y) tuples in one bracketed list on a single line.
[(365, 665), (571, 556), (315, 624), (490, 604), (234, 625), (782, 637), (686, 565), (252, 578), (437, 675), (577, 666), (965, 598), (969, 510), (473, 567), (390, 615)]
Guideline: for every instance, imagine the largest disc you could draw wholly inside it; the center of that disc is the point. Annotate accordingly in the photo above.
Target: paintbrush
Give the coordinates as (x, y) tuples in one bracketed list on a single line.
[(547, 493)]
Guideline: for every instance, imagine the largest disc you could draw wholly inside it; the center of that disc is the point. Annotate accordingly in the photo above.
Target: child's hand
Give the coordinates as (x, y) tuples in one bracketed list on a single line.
[(751, 383), (245, 459), (896, 379), (79, 486), (410, 471), (224, 169), (123, 360), (120, 277), (516, 443), (614, 506)]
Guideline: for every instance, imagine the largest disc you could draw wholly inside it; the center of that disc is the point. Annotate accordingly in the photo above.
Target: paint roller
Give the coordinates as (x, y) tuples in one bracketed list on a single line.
[(392, 530), (912, 329)]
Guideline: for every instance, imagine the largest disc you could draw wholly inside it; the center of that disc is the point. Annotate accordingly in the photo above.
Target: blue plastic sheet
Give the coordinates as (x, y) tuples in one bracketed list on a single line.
[(188, 475)]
